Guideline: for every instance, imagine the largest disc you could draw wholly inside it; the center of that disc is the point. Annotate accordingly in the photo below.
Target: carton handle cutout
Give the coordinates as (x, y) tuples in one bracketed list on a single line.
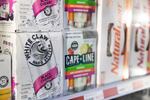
[(110, 26), (148, 46), (136, 40), (125, 39)]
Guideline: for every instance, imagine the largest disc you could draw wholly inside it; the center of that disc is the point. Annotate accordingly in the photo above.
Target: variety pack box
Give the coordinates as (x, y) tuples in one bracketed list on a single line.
[(114, 19), (37, 64), (80, 60), (80, 14), (5, 77), (31, 15), (140, 38)]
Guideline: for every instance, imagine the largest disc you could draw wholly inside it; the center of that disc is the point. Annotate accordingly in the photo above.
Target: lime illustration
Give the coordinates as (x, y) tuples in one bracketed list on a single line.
[(85, 48)]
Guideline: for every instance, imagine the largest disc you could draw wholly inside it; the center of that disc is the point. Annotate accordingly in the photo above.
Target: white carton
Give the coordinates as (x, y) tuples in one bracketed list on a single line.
[(37, 64), (80, 60), (80, 14), (5, 77), (31, 15), (140, 38), (113, 45)]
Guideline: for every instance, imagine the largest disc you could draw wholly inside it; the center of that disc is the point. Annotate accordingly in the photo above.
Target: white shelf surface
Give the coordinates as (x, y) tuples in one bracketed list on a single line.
[(111, 91)]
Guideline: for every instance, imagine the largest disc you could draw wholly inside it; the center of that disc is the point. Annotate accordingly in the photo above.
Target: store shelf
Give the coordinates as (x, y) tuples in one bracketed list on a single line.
[(111, 91)]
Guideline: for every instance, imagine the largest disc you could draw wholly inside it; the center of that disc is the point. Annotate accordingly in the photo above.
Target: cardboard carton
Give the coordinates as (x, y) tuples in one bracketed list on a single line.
[(31, 15), (37, 64)]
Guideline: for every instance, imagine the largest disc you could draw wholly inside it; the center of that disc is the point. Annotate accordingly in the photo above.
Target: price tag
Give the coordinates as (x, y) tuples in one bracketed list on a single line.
[(98, 95), (78, 98), (110, 92), (124, 88), (146, 82), (138, 84)]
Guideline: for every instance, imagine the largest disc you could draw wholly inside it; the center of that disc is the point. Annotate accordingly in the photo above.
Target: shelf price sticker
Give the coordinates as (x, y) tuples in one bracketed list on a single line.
[(94, 96), (78, 98), (146, 82), (100, 96), (124, 88), (138, 84), (110, 92)]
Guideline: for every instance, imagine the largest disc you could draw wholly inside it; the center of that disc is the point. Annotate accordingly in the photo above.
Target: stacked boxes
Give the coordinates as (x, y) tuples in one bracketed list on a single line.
[(49, 50), (80, 45), (140, 38), (31, 31), (114, 19)]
